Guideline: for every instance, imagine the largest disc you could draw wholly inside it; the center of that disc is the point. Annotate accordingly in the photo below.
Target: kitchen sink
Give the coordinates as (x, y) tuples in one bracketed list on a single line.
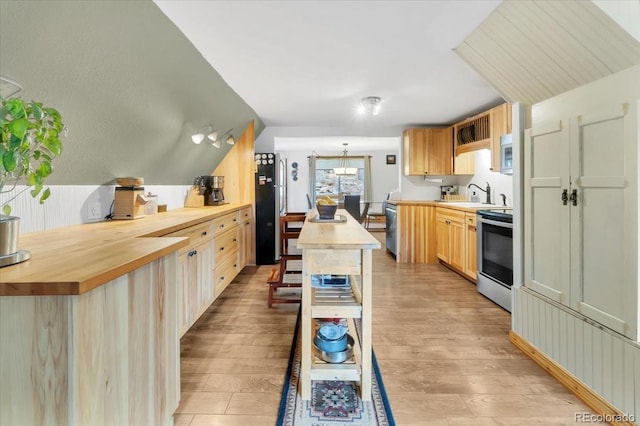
[(466, 204)]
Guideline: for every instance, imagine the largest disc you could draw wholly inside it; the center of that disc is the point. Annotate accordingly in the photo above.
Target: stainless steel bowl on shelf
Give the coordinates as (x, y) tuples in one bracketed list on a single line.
[(336, 357)]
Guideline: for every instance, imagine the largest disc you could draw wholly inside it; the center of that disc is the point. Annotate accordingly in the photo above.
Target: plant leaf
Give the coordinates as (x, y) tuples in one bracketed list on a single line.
[(36, 190), (6, 209), (45, 195), (9, 161), (18, 127), (44, 169)]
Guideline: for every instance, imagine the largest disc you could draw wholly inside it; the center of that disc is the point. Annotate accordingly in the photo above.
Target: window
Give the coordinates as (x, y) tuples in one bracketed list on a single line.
[(328, 183)]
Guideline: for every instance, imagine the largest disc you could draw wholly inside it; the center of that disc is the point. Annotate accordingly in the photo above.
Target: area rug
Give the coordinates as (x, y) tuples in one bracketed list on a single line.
[(332, 402)]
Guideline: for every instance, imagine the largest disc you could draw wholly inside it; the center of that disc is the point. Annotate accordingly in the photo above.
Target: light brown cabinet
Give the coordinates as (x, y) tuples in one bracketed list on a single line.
[(195, 272), (427, 151), (416, 236), (483, 131), (450, 237), (209, 263), (500, 125), (465, 164), (245, 227), (471, 264)]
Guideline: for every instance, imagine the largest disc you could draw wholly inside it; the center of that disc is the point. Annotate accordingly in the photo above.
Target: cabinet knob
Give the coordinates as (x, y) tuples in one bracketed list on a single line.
[(221, 248), (222, 225), (204, 233), (565, 197)]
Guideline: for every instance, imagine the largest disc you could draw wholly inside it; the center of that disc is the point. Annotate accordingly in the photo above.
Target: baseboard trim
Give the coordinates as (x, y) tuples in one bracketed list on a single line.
[(568, 380)]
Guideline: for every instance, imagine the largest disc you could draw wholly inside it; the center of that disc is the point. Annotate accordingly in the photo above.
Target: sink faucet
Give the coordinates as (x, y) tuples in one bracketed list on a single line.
[(487, 191)]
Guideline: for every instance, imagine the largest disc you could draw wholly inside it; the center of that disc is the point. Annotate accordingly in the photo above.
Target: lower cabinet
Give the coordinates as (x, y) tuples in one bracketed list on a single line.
[(416, 241), (209, 263), (245, 242), (450, 237), (226, 256), (471, 264)]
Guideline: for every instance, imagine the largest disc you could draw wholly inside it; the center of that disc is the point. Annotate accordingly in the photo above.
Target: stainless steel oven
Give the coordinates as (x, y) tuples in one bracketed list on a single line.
[(495, 255)]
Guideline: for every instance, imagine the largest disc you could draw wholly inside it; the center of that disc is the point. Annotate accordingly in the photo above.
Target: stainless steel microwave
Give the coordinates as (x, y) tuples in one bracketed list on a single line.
[(506, 155)]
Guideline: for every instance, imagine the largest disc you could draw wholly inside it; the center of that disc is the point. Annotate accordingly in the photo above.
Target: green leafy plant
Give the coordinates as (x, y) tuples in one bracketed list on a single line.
[(30, 140)]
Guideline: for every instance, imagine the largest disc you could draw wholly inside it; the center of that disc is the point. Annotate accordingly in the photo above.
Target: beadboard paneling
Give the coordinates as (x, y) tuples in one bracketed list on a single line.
[(533, 50), (605, 361), (69, 204)]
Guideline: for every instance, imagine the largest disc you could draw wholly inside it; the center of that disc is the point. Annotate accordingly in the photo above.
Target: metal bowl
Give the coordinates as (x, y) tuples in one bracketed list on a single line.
[(330, 345), (336, 357)]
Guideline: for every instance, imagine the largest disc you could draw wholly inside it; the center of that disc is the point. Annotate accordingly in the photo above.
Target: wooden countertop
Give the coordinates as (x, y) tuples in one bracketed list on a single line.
[(447, 205), (76, 259), (346, 235)]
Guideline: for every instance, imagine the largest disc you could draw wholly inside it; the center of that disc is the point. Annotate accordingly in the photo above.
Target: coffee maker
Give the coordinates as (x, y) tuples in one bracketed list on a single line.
[(211, 188)]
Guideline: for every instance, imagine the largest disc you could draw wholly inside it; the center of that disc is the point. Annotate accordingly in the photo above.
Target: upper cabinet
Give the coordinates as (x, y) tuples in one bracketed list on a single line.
[(427, 151), (483, 131), (500, 117)]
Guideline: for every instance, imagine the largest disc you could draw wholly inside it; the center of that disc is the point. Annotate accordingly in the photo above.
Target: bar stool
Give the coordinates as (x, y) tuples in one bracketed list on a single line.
[(287, 275)]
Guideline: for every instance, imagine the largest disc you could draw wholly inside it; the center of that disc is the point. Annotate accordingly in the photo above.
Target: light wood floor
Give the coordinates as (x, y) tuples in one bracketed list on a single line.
[(442, 348)]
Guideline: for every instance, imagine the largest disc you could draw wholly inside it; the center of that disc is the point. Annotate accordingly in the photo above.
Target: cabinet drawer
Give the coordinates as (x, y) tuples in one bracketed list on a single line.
[(450, 213), (225, 245), (224, 273), (197, 234), (470, 219), (245, 215), (224, 223)]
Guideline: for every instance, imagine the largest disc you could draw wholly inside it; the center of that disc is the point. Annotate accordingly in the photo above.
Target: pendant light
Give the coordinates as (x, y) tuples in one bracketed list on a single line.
[(344, 168)]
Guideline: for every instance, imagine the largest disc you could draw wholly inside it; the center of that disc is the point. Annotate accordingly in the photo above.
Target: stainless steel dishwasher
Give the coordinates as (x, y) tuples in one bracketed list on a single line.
[(392, 227)]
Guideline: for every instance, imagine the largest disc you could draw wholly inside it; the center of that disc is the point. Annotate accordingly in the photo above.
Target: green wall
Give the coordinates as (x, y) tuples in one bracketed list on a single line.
[(130, 87)]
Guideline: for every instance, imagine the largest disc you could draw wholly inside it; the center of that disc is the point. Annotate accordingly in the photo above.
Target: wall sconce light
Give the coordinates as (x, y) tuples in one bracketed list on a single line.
[(205, 132), (370, 104), (230, 139)]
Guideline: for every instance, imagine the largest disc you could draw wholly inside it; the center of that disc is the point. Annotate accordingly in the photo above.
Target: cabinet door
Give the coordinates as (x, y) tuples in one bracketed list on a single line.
[(188, 289), (414, 143), (204, 257), (546, 233), (457, 246), (442, 238), (465, 164), (471, 264), (439, 152), (500, 125), (604, 224)]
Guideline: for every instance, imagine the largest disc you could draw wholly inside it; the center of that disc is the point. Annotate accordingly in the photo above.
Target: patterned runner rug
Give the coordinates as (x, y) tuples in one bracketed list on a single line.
[(332, 402)]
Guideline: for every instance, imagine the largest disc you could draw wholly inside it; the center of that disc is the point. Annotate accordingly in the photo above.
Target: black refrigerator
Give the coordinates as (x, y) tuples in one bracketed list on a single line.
[(271, 201)]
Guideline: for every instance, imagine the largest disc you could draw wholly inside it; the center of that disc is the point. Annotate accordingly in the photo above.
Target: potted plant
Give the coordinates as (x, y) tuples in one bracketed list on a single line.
[(29, 141)]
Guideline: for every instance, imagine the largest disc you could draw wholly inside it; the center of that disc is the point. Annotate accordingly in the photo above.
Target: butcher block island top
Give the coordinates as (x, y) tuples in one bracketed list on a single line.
[(332, 235), (76, 259)]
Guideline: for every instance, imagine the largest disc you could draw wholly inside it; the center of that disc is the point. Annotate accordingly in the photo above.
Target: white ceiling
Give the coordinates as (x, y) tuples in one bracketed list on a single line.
[(308, 63)]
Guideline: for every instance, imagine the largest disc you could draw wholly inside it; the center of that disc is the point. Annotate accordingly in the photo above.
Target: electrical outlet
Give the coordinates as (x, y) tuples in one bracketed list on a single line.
[(94, 211)]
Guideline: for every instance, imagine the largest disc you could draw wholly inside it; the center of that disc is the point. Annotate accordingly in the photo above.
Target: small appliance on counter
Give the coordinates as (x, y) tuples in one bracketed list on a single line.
[(206, 191), (211, 189), (129, 199)]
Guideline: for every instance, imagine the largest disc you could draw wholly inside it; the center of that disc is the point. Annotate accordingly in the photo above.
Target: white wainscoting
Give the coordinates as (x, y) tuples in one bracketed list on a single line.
[(605, 361), (69, 204)]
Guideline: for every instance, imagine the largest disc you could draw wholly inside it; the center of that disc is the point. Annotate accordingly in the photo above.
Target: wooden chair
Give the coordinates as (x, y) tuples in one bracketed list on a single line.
[(287, 276)]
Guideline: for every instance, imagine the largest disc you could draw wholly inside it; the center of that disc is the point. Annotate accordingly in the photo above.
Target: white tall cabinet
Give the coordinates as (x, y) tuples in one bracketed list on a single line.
[(581, 203)]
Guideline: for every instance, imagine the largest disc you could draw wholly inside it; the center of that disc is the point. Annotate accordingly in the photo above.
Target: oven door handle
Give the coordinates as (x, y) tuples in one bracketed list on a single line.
[(496, 223)]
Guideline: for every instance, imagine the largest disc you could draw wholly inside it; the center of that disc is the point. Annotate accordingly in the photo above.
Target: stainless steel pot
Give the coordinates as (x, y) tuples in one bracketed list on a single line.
[(9, 230)]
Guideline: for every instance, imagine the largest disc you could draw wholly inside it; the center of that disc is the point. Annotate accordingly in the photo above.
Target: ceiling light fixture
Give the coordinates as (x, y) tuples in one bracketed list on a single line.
[(205, 132), (344, 168), (370, 104)]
